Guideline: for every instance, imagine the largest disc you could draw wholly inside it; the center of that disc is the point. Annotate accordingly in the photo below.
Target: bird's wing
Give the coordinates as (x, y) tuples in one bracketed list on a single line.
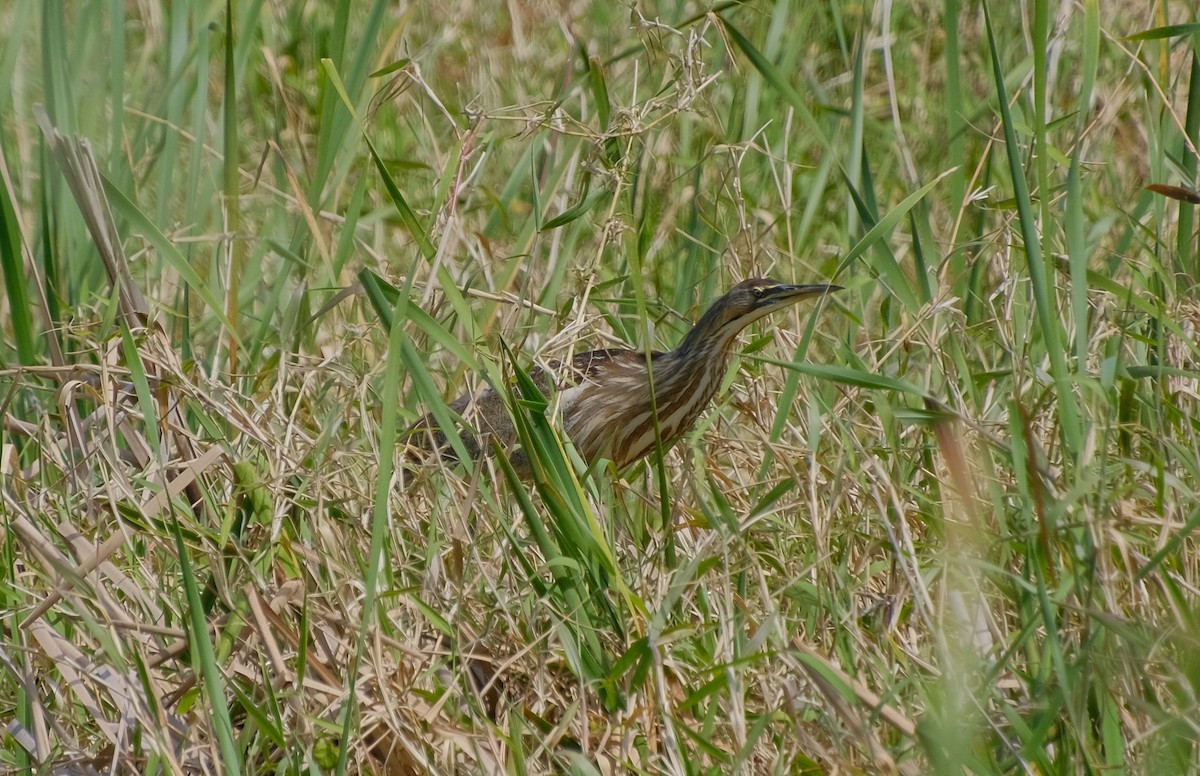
[(593, 364), (485, 412)]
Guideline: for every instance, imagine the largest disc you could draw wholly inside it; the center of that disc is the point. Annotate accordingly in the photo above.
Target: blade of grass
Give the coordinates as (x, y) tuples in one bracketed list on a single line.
[(1075, 225), (199, 640), (1185, 235), (231, 194), (165, 248), (772, 75), (847, 376), (855, 165), (333, 136), (953, 106), (1039, 276), (12, 265), (401, 203), (882, 229)]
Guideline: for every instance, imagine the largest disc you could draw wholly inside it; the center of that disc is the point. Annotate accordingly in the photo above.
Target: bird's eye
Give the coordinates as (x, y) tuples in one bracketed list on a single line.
[(758, 292)]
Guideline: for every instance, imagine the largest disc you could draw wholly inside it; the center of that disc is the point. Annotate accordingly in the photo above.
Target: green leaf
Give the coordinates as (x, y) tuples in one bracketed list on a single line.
[(572, 213), (1166, 31)]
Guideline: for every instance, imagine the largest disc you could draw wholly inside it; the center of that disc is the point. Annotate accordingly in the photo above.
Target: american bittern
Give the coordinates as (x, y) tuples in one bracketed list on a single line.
[(608, 407)]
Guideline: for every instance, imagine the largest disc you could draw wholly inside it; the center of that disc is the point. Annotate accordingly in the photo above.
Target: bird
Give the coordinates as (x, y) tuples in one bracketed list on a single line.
[(610, 399)]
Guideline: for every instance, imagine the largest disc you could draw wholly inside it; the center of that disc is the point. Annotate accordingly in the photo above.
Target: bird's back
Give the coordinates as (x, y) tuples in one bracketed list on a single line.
[(605, 401)]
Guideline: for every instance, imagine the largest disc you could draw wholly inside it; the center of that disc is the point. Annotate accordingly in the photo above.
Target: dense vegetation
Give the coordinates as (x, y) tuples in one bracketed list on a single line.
[(940, 523)]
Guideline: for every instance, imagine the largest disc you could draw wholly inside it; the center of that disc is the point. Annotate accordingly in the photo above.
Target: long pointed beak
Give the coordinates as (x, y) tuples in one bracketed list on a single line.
[(795, 293)]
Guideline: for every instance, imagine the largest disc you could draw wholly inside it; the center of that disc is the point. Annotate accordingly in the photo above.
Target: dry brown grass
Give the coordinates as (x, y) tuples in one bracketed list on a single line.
[(914, 562)]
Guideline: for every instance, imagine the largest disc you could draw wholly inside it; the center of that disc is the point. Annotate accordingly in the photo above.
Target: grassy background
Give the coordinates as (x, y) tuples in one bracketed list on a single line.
[(942, 524)]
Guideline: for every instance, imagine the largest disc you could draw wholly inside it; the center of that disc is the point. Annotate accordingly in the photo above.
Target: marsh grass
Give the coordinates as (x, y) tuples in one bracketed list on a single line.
[(941, 523)]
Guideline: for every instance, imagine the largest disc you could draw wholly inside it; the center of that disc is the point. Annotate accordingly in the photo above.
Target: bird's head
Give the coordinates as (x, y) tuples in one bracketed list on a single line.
[(758, 297), (744, 304)]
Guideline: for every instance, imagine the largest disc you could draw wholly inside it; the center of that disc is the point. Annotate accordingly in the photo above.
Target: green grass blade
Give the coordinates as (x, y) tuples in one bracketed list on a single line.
[(848, 376), (1165, 32), (779, 82), (1185, 239), (402, 207), (12, 265), (897, 281), (1078, 257), (1039, 275), (231, 194)]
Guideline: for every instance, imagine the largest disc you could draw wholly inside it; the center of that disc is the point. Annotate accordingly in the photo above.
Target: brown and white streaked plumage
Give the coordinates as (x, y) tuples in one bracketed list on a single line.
[(605, 397)]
